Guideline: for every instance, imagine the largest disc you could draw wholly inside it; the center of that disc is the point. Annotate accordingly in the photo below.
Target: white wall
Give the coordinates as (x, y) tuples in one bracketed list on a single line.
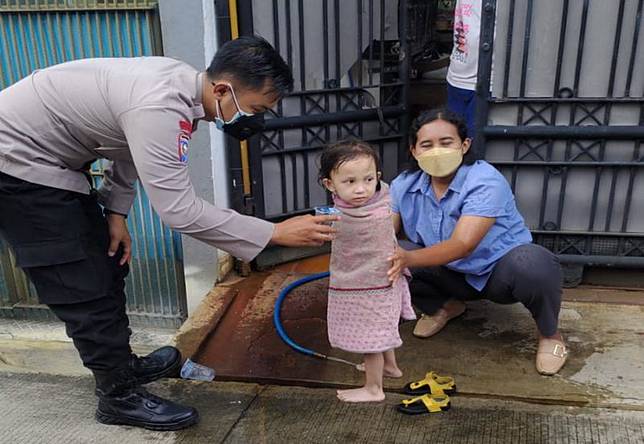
[(189, 34)]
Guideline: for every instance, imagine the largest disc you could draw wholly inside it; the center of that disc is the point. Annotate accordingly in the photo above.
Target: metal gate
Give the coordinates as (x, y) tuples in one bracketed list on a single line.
[(351, 80), (560, 113), (35, 34)]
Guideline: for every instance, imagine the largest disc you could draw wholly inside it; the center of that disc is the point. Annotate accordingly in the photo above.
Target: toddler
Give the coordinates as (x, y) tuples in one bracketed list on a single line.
[(364, 307)]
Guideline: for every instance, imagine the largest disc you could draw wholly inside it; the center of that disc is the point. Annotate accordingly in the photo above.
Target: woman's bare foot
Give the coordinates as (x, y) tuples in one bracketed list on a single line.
[(387, 372), (362, 394)]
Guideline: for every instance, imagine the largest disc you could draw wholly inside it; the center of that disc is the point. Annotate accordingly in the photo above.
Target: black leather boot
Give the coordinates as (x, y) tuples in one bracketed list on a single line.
[(161, 363), (121, 401)]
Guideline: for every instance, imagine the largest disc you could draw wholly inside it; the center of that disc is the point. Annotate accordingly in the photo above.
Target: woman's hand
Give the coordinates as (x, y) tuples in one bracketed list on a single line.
[(119, 235), (399, 262), (467, 235)]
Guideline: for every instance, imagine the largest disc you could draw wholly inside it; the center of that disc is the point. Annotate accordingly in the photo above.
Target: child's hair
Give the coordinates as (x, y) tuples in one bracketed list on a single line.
[(430, 116), (335, 155)]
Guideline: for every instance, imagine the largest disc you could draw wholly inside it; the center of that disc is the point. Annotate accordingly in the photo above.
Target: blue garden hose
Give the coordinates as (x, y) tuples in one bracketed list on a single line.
[(280, 328)]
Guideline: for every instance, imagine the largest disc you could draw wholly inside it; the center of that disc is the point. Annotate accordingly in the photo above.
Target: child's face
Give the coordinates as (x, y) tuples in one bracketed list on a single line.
[(354, 181), (438, 133)]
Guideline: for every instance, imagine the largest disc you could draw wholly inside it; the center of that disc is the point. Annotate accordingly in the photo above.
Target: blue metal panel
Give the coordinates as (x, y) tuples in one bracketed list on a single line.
[(156, 273), (32, 40), (37, 36)]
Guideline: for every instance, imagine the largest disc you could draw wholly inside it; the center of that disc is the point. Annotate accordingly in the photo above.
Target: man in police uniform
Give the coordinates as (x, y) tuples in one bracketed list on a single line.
[(140, 114)]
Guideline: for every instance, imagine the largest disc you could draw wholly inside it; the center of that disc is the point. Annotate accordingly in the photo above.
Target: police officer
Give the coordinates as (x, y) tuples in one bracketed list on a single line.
[(73, 242)]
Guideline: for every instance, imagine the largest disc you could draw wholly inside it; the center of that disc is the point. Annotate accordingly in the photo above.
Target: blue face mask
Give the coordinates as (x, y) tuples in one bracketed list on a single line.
[(223, 125)]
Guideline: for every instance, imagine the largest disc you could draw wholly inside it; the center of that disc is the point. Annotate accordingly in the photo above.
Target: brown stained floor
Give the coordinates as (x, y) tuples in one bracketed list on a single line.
[(245, 344), (489, 351)]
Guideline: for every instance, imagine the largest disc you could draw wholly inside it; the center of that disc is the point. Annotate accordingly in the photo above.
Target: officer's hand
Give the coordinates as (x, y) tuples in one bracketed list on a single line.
[(304, 231), (119, 236)]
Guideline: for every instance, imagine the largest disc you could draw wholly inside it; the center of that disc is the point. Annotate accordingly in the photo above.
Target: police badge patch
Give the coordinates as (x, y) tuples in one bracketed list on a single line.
[(183, 140)]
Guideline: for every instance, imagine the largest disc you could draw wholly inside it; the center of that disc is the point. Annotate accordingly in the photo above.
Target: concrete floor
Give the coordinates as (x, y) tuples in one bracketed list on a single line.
[(249, 413), (489, 351), (43, 346), (47, 396)]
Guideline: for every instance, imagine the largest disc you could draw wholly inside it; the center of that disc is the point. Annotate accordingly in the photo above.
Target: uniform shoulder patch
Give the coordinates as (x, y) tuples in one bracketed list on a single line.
[(186, 126), (183, 140)]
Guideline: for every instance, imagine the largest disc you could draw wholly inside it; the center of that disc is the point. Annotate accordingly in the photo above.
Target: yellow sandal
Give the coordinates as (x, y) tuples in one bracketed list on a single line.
[(433, 384), (424, 404)]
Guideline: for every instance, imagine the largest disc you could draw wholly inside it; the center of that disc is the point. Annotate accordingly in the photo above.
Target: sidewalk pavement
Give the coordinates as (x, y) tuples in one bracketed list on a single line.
[(46, 396), (43, 346), (41, 408)]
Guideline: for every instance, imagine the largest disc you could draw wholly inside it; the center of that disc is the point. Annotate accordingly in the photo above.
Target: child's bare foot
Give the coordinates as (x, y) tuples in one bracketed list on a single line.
[(387, 372), (362, 394), (394, 372)]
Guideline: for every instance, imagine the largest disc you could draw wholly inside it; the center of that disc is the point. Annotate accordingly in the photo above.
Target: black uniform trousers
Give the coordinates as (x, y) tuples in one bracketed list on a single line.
[(60, 239), (528, 274)]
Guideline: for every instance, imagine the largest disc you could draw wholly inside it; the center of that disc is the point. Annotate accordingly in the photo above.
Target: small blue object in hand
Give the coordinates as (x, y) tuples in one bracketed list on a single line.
[(327, 211)]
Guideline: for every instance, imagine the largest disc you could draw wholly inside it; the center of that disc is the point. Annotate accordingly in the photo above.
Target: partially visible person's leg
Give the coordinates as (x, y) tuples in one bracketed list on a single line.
[(61, 240), (463, 102), (530, 274), (455, 102), (372, 391), (432, 287), (470, 114), (438, 293), (99, 330), (391, 369)]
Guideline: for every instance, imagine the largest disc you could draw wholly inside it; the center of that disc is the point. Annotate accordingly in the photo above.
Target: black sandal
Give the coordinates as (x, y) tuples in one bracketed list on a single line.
[(424, 404)]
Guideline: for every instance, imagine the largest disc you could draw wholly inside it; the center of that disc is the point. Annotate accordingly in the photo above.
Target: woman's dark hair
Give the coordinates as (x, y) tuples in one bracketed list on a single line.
[(252, 61), (335, 155), (430, 116)]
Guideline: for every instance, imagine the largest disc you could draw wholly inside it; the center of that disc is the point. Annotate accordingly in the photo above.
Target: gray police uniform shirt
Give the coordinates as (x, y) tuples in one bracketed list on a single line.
[(136, 112)]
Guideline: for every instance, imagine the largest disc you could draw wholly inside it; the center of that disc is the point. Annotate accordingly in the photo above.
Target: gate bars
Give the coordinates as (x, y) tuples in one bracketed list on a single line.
[(560, 112), (351, 80)]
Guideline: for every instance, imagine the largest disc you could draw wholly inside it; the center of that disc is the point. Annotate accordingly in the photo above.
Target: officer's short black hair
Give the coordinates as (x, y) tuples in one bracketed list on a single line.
[(252, 61)]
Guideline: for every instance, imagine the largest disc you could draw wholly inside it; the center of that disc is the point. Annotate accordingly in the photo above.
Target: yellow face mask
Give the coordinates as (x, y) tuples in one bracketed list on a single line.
[(440, 162)]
